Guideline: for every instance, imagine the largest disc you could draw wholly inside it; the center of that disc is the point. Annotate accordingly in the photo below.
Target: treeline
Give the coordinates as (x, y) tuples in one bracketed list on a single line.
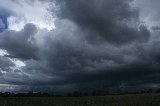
[(73, 94), (29, 94), (104, 93)]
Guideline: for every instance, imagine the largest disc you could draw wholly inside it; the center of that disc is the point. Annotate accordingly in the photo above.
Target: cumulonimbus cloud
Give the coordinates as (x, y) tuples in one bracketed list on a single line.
[(95, 43)]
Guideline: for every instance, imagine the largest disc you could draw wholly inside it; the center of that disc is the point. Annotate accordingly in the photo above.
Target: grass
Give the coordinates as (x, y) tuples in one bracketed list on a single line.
[(110, 100)]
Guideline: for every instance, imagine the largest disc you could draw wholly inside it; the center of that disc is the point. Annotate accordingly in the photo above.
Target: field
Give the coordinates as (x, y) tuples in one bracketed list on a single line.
[(110, 100)]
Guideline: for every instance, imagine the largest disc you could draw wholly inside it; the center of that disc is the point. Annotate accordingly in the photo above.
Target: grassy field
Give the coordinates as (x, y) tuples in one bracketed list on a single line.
[(110, 100)]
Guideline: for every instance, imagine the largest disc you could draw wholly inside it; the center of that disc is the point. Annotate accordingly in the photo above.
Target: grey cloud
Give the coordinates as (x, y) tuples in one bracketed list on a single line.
[(149, 11), (155, 28), (20, 44), (66, 58), (5, 64), (114, 21)]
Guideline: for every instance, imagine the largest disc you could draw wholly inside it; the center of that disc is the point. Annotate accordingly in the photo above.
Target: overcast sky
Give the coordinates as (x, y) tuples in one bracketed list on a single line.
[(86, 45)]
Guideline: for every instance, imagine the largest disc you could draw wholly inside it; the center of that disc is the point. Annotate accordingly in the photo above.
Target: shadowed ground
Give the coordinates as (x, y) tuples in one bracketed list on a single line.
[(110, 100)]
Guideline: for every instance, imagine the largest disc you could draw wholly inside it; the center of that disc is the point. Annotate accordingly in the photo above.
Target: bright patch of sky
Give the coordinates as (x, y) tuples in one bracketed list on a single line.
[(3, 52), (27, 11), (18, 63)]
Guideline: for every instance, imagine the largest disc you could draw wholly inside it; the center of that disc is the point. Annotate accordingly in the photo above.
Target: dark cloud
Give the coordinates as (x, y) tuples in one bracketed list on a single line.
[(155, 28), (80, 54), (114, 21)]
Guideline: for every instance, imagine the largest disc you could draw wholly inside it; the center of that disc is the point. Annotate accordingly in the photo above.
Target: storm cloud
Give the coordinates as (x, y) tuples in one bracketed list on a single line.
[(115, 21), (95, 45)]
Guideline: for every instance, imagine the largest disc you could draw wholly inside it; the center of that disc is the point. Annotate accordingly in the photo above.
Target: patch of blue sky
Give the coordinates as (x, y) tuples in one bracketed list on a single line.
[(4, 14)]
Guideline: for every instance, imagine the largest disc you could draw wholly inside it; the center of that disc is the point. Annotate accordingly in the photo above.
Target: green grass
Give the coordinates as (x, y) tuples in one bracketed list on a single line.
[(110, 100)]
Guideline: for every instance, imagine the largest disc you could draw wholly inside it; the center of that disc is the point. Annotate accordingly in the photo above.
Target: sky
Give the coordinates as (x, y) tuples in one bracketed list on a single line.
[(60, 46)]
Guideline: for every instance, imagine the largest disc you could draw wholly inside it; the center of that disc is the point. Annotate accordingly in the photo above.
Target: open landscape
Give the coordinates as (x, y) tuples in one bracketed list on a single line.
[(109, 100), (79, 53)]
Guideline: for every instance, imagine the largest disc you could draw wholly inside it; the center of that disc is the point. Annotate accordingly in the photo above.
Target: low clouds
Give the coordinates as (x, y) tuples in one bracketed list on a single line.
[(97, 44)]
